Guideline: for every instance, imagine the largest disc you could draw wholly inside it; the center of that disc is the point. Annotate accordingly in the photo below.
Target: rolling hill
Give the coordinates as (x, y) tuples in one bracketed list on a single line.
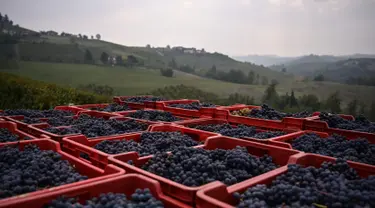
[(131, 81), (57, 48)]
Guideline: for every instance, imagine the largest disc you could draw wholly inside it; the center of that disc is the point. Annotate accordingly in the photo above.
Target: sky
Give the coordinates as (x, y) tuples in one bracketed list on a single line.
[(232, 27)]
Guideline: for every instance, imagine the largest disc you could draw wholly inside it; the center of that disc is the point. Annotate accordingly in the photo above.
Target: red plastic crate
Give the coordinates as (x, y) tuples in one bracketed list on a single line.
[(322, 126), (183, 118), (207, 121), (146, 104), (38, 129), (284, 141), (219, 196), (12, 127), (159, 105), (99, 114), (287, 122), (73, 109), (224, 111), (18, 120), (126, 184), (188, 194), (202, 112), (76, 145), (94, 173), (90, 106)]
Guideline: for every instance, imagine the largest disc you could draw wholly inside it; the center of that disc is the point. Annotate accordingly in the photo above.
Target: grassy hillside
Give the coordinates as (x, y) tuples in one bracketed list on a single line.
[(130, 81), (152, 57)]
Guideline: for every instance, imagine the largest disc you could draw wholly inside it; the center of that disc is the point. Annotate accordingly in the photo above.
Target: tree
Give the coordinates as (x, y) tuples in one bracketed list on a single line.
[(167, 72), (104, 57), (1, 17), (62, 34), (98, 36), (148, 46), (85, 37), (251, 77), (270, 95), (310, 101), (319, 78), (264, 80), (283, 70), (293, 100), (168, 47), (92, 37), (131, 61), (351, 108), (11, 22), (212, 72), (88, 57), (119, 60), (333, 103), (79, 36), (187, 68), (6, 18)]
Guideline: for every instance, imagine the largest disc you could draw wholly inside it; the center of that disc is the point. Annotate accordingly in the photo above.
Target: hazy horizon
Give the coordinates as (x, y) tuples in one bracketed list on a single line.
[(236, 28)]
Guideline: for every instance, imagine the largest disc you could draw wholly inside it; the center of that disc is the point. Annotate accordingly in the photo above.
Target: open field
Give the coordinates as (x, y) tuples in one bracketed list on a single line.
[(130, 81)]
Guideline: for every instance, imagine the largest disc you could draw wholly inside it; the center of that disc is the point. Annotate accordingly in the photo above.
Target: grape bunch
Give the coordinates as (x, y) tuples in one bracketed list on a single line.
[(149, 143), (240, 131), (195, 166), (33, 169), (8, 136), (269, 113), (37, 113), (193, 106), (114, 107), (60, 121), (141, 198), (331, 185), (142, 99), (358, 150), (360, 123), (95, 127), (31, 120), (154, 115)]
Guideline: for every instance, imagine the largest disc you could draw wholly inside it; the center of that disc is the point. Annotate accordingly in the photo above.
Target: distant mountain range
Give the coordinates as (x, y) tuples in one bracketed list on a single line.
[(270, 60)]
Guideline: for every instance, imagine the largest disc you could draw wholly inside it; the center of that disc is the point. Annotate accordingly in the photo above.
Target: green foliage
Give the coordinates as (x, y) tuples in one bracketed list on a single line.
[(187, 68), (18, 92), (97, 89), (241, 99), (185, 92), (131, 61), (270, 95), (333, 103), (167, 72)]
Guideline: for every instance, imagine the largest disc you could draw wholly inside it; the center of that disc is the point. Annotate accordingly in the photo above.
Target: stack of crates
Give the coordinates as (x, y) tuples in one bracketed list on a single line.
[(114, 173)]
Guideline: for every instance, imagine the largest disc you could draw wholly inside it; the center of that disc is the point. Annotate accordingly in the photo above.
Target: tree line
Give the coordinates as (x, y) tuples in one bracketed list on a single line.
[(286, 103)]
